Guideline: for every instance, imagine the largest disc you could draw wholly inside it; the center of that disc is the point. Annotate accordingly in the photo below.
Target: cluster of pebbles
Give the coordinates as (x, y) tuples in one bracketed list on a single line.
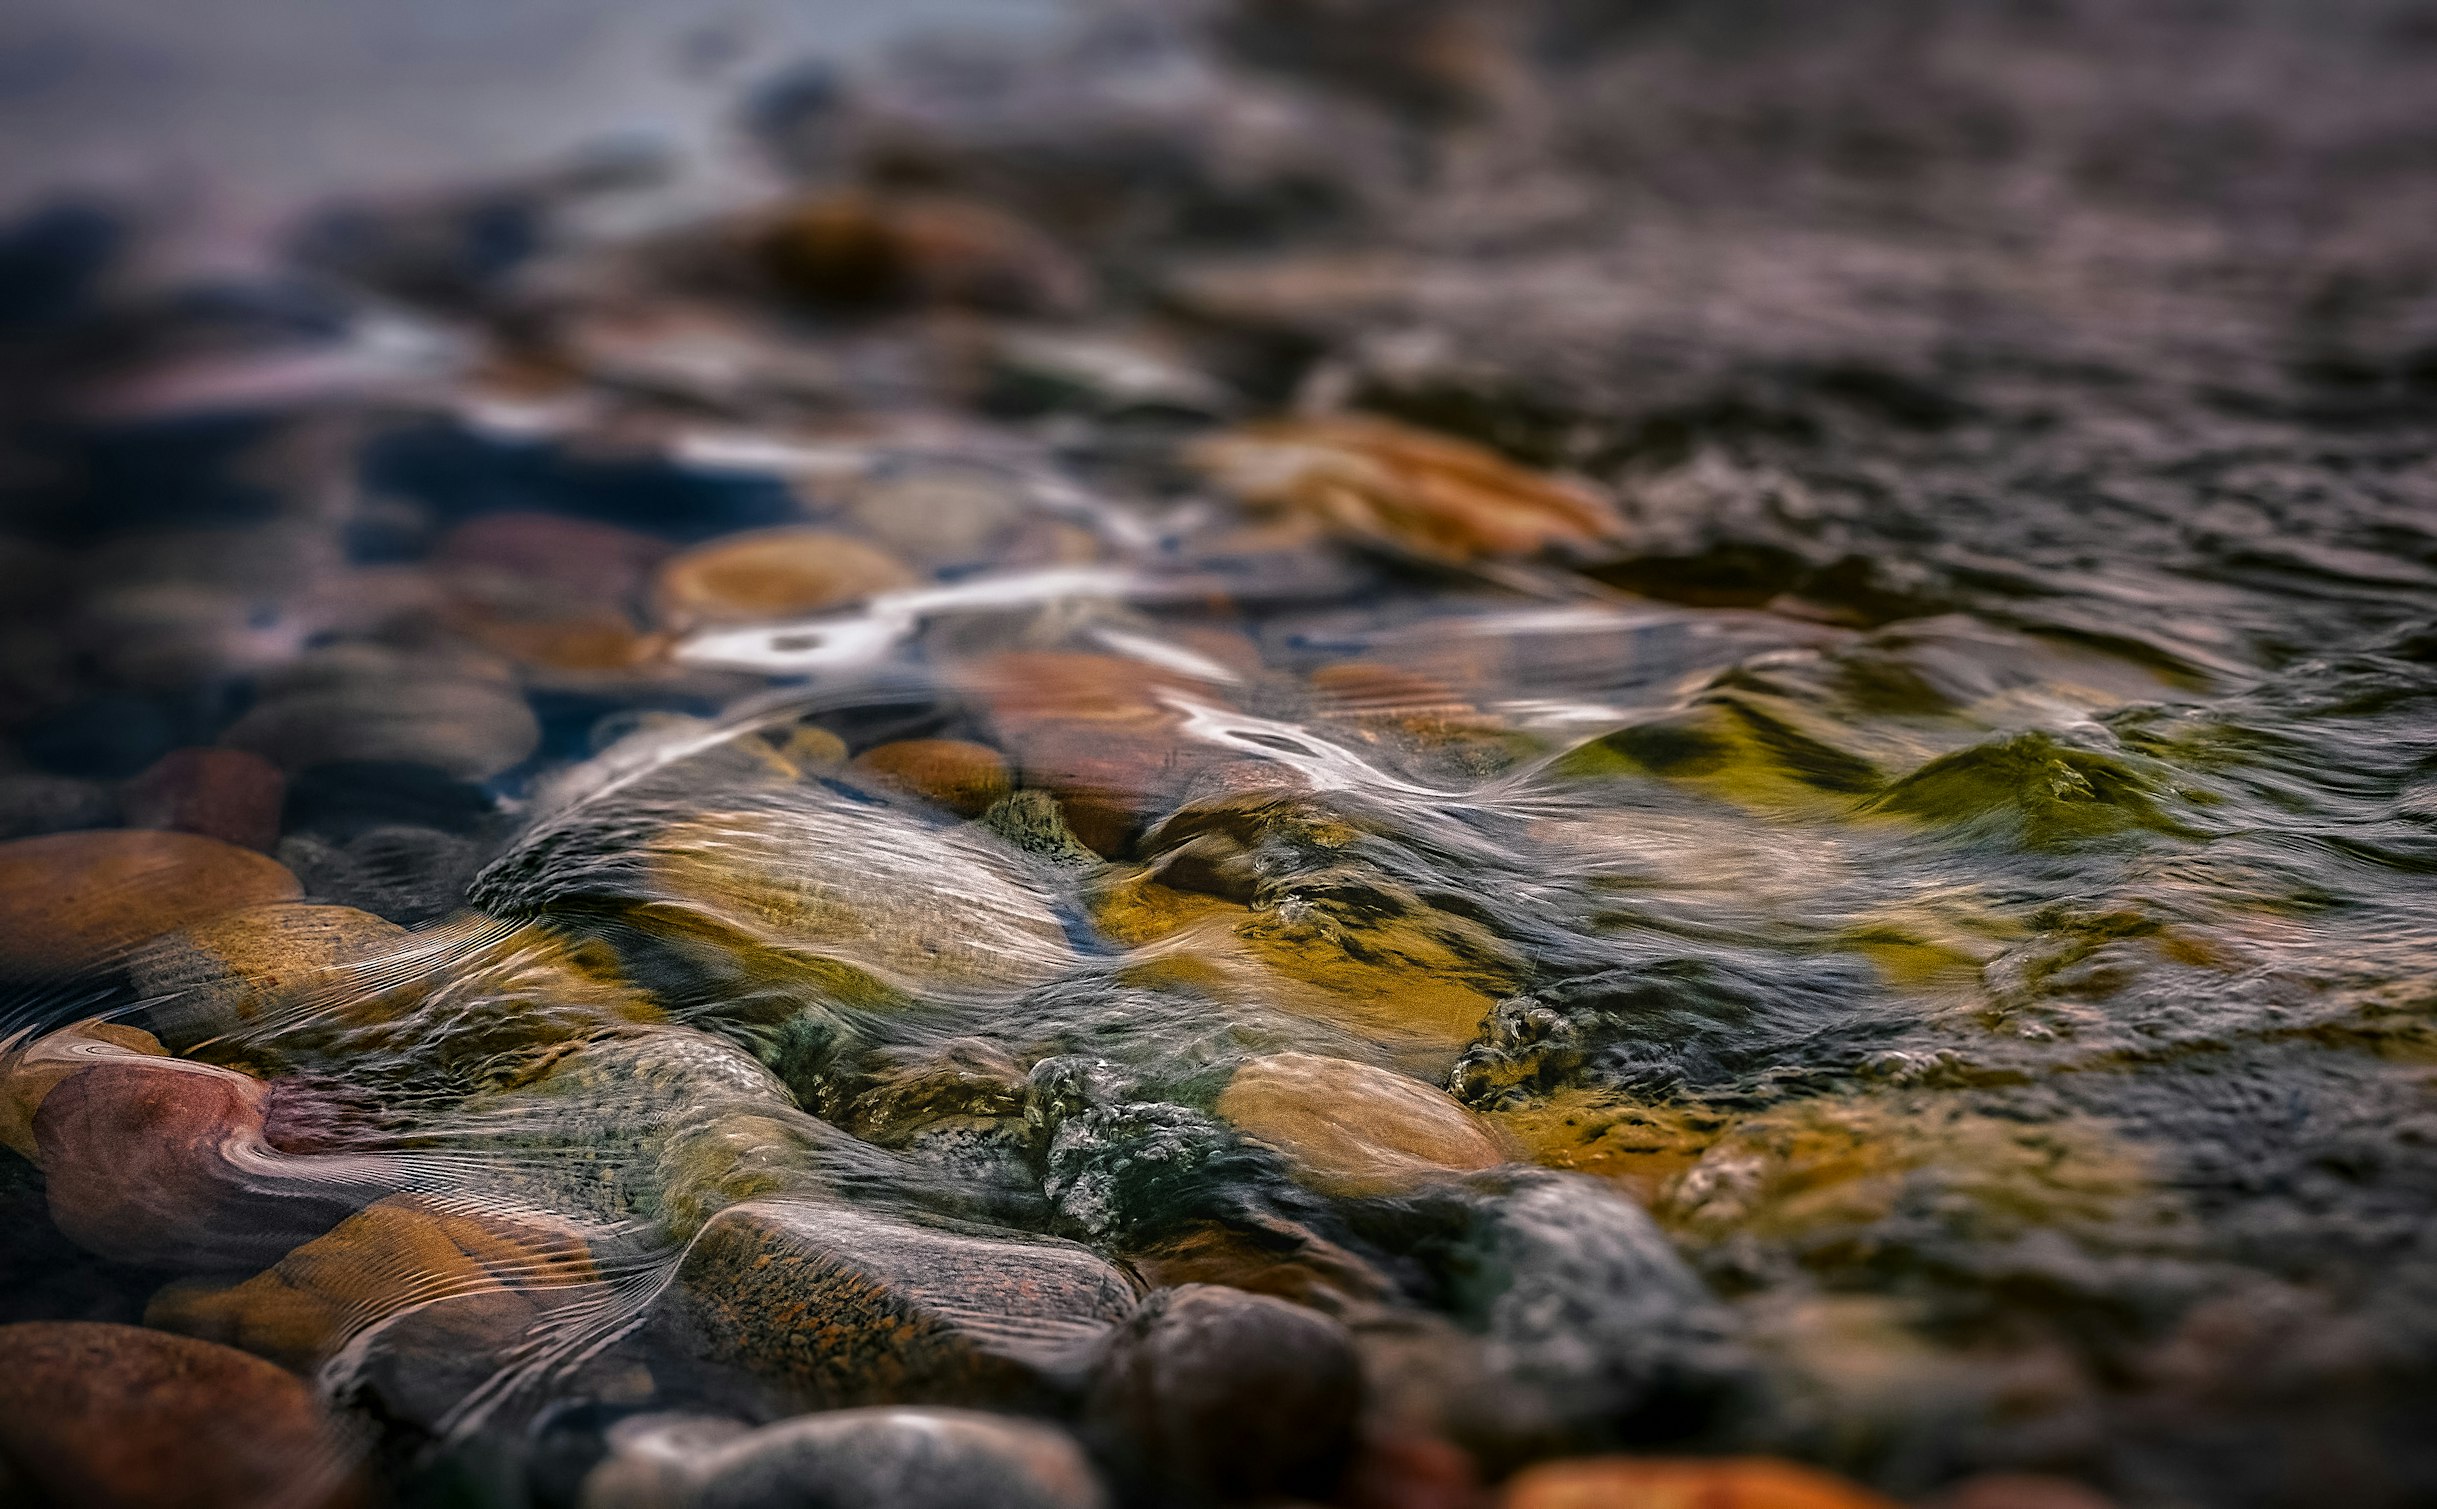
[(1010, 830)]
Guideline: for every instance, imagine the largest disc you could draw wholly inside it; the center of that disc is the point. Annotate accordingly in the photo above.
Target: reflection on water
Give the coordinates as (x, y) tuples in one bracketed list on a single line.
[(1448, 747)]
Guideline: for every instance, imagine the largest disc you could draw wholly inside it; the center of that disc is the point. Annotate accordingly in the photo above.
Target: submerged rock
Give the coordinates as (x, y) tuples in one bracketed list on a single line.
[(164, 1162), (403, 1253), (826, 1305), (1684, 1483), (1383, 483), (72, 902), (344, 991), (867, 251), (32, 804), (800, 890), (1212, 1394), (115, 1417), (366, 704), (964, 777), (772, 574), (845, 1459), (225, 794), (1351, 1129)]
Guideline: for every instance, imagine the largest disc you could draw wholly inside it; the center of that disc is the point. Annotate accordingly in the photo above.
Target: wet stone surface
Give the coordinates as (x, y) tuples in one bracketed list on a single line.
[(1396, 755)]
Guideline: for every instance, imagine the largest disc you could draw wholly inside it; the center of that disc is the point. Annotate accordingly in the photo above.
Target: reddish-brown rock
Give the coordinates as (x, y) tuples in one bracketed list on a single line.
[(71, 902), (118, 1417), (163, 1161), (32, 1073), (225, 794), (1101, 731), (1684, 1483)]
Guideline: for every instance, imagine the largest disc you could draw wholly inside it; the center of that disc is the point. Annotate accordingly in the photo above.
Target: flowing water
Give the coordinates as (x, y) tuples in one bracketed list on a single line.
[(1815, 834)]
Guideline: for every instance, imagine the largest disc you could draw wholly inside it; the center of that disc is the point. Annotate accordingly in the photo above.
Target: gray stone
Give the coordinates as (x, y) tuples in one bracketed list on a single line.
[(826, 1305), (846, 1459)]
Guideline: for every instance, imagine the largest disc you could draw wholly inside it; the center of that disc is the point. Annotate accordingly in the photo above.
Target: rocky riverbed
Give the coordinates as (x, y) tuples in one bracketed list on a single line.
[(1363, 752)]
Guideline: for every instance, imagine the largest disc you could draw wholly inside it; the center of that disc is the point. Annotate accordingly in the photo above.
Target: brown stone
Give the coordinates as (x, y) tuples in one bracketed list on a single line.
[(1353, 1129), (28, 1076), (866, 250), (1276, 1259), (225, 794), (295, 986), (961, 776), (1684, 1483), (232, 972), (772, 574), (164, 1162), (118, 1417), (402, 1251), (835, 1306), (1385, 483), (1097, 730), (72, 902)]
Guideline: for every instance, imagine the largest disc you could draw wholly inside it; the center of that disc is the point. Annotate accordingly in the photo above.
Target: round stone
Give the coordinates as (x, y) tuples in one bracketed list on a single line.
[(470, 728), (773, 574), (119, 1417), (73, 902), (1212, 1394), (1353, 1129)]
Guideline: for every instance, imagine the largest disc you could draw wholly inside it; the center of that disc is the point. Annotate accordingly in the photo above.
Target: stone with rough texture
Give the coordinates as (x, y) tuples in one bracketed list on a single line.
[(225, 794), (117, 1417), (846, 1459), (228, 973), (1684, 1483), (1353, 1129), (71, 902), (830, 1306), (1208, 1393), (772, 574)]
